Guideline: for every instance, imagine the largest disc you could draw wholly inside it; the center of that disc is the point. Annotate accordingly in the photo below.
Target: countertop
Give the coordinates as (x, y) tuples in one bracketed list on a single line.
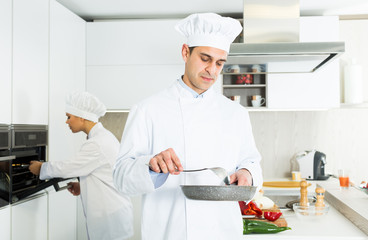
[(345, 219)]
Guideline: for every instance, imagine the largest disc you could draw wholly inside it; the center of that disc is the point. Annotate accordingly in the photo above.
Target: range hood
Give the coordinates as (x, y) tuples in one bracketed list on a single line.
[(284, 57), (271, 41)]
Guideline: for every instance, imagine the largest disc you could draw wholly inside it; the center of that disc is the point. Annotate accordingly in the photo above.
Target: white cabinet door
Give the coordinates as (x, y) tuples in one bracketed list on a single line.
[(318, 90), (67, 74), (131, 60), (130, 42), (119, 87), (5, 60), (29, 219), (30, 61), (81, 222), (62, 215), (5, 223)]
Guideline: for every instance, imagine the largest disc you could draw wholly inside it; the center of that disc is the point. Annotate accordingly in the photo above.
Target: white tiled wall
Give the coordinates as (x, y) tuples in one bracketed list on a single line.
[(342, 134)]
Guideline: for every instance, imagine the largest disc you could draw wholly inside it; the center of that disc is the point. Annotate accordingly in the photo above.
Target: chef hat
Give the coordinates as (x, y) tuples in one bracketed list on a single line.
[(209, 29), (85, 105)]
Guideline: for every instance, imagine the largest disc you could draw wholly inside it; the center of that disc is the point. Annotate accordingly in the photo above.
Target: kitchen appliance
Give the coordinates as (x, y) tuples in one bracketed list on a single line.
[(271, 41), (28, 143), (312, 165), (20, 144), (5, 158)]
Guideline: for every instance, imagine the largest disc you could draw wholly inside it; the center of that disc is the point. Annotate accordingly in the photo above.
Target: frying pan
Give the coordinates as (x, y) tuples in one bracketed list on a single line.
[(219, 193)]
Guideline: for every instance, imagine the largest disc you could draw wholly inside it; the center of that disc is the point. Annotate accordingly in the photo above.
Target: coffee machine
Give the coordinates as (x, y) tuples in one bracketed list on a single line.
[(312, 165)]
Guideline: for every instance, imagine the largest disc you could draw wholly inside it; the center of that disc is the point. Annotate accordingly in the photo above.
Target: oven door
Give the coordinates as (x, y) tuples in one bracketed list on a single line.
[(5, 187), (51, 182)]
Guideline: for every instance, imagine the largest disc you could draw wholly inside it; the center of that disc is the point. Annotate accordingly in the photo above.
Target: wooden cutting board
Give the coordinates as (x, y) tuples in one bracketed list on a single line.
[(283, 184), (280, 222)]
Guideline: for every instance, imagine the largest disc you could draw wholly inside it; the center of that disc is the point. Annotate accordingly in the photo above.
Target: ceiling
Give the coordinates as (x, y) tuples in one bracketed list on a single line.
[(124, 9)]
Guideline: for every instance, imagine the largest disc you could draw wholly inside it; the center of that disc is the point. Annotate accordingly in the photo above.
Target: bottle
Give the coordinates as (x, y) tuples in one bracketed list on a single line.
[(353, 83)]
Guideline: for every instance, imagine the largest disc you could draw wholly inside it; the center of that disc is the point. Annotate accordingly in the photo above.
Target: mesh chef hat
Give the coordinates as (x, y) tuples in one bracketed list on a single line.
[(209, 29), (85, 105)]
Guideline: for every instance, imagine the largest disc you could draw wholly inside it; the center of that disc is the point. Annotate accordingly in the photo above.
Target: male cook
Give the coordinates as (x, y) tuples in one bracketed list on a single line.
[(189, 126)]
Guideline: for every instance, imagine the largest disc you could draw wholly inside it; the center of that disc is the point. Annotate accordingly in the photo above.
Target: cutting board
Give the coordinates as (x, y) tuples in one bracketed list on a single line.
[(280, 222), (283, 184)]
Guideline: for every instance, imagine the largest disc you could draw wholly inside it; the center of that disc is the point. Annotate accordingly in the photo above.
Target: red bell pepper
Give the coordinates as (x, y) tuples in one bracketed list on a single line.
[(272, 216), (249, 209)]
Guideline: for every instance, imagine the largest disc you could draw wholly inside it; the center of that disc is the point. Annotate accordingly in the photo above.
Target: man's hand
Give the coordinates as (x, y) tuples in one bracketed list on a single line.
[(166, 161), (35, 167), (74, 188), (243, 177)]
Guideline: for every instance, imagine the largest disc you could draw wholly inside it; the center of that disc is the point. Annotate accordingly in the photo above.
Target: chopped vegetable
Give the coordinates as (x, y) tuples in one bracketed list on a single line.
[(249, 209), (272, 216), (250, 226)]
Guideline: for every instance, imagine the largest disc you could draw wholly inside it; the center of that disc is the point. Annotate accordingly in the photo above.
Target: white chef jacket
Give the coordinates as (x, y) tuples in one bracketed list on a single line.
[(211, 131), (109, 214)]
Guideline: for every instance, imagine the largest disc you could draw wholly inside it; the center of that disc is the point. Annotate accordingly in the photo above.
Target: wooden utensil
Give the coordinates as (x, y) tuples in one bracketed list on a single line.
[(283, 184), (303, 193)]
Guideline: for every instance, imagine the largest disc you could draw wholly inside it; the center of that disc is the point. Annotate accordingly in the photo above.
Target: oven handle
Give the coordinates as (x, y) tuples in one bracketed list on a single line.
[(7, 158), (56, 184)]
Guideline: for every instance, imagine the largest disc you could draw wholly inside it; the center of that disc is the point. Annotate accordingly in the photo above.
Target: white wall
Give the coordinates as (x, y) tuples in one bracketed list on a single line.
[(342, 134)]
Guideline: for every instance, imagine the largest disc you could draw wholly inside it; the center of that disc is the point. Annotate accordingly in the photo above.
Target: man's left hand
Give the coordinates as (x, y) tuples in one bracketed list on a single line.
[(242, 177)]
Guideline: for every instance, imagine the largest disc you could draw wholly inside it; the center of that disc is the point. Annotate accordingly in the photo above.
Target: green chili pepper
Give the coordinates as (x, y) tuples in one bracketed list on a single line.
[(250, 226)]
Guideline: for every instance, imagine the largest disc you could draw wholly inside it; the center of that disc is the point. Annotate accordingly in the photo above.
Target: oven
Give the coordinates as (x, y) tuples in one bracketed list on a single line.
[(28, 143), (5, 163), (20, 144)]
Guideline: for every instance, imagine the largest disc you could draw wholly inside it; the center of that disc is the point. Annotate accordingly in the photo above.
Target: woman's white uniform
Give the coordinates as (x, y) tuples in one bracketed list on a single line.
[(109, 215), (204, 132)]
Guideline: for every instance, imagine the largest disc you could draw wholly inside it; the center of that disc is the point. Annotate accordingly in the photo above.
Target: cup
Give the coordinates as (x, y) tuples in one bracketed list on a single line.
[(256, 68), (296, 176), (258, 102), (232, 69), (235, 98), (256, 97), (344, 178)]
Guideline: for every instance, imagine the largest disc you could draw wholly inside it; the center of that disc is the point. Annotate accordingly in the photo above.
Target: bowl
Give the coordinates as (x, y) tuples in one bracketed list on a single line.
[(310, 212), (364, 190)]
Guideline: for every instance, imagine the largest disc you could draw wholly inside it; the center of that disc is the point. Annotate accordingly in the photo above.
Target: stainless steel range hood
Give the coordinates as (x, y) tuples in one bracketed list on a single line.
[(271, 41), (284, 57)]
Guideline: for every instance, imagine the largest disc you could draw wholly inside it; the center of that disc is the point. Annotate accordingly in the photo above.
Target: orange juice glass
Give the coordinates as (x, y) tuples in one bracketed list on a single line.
[(344, 178)]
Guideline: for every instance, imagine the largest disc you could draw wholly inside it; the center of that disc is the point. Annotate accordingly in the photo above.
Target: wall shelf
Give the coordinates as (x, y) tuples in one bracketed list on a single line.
[(244, 86)]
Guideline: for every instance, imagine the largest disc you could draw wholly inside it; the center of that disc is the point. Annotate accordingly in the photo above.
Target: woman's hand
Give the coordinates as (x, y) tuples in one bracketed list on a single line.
[(74, 188), (35, 167)]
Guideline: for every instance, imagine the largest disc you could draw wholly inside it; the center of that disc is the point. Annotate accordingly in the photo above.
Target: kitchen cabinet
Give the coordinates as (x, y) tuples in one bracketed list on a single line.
[(244, 83), (29, 218), (67, 75), (5, 223), (81, 222), (62, 215), (5, 60), (30, 62), (318, 90), (120, 87), (129, 60)]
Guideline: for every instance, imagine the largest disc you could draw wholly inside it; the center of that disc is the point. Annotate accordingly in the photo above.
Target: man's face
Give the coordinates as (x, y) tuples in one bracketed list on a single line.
[(75, 123), (202, 66)]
